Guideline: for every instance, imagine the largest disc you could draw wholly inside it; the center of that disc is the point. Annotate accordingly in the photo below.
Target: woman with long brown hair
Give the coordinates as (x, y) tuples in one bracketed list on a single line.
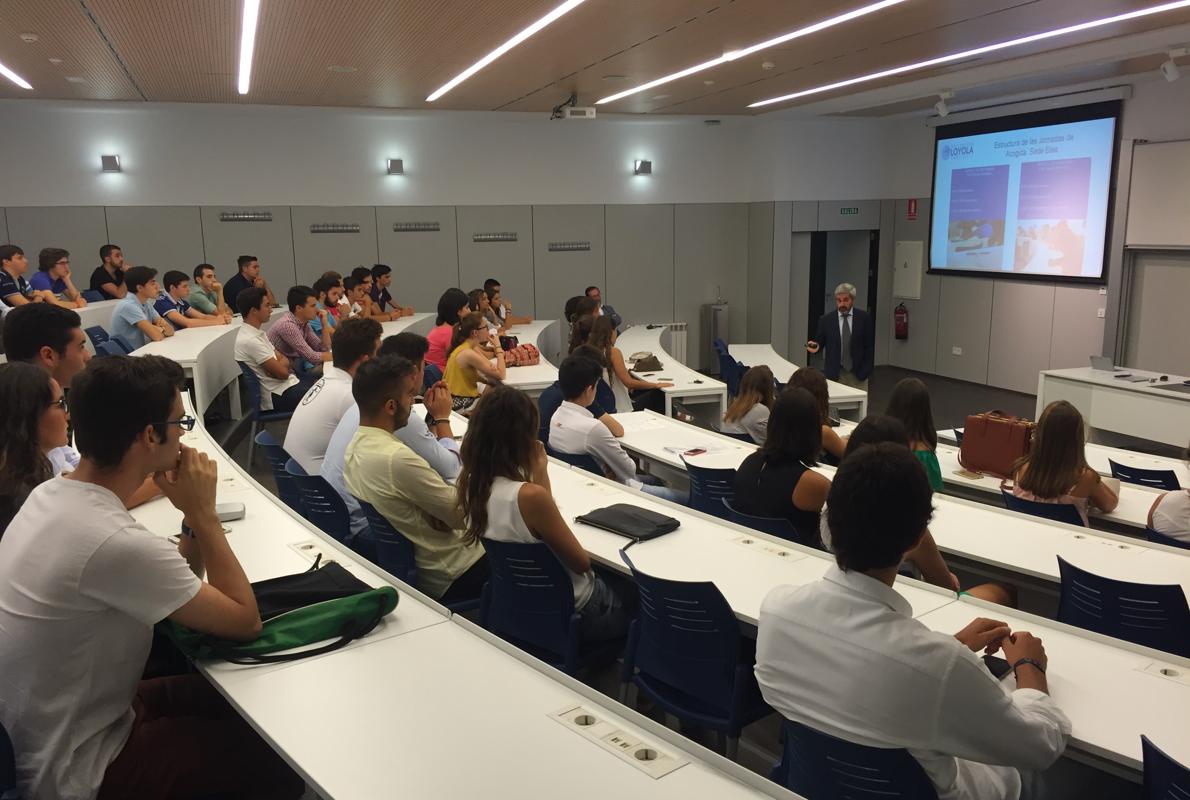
[(469, 364), (749, 412), (814, 382), (603, 338), (910, 403), (33, 420), (504, 493), (1055, 470)]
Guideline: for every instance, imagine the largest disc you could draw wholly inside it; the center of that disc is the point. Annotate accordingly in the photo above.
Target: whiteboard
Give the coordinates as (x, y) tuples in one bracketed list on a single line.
[(1159, 198), (907, 260)]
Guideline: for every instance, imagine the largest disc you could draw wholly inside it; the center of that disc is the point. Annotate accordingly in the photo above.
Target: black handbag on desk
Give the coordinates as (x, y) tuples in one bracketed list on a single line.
[(638, 524)]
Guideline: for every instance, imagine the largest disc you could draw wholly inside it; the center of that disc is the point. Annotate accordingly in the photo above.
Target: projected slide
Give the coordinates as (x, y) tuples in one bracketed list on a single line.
[(1029, 201)]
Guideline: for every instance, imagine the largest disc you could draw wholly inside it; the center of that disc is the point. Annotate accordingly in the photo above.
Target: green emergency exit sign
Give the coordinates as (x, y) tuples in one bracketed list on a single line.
[(851, 210)]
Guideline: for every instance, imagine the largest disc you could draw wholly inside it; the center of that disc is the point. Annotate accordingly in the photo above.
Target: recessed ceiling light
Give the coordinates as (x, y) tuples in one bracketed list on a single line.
[(565, 8), (767, 65), (341, 69), (660, 96), (615, 77), (247, 42), (708, 83), (75, 79), (29, 38), (55, 61), (15, 78), (978, 51), (732, 55)]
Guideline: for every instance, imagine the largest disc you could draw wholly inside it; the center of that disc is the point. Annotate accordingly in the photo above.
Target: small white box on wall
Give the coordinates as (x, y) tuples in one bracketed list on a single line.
[(907, 258)]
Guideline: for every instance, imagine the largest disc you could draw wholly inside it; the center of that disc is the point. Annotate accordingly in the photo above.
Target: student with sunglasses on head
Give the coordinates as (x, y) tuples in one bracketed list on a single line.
[(33, 421)]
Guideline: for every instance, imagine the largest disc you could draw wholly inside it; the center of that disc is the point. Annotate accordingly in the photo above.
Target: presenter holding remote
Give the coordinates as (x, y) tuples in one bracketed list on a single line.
[(847, 339)]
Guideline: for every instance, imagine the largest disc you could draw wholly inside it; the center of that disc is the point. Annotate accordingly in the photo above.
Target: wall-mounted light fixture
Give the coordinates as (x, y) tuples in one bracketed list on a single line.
[(109, 163), (415, 227), (335, 227), (245, 216), (396, 166), (641, 167), (494, 237), (568, 247)]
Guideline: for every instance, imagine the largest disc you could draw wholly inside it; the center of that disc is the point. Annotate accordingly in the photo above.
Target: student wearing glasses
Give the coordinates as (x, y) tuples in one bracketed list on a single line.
[(82, 584), (53, 279)]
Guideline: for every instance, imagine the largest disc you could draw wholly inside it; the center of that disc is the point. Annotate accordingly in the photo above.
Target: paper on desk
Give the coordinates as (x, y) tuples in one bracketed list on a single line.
[(643, 422)]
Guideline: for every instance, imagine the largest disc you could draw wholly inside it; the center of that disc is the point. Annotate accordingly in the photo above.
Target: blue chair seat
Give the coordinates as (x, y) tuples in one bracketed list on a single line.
[(109, 348), (580, 460), (96, 334), (1160, 538), (256, 415), (1164, 778), (278, 460), (125, 345), (321, 504), (775, 526), (1165, 479), (709, 488), (1057, 512), (388, 548), (93, 296)]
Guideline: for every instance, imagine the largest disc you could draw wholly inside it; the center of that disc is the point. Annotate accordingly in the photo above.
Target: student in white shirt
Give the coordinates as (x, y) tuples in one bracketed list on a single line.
[(280, 390), (504, 491), (575, 431), (81, 585), (844, 655), (318, 414), (1170, 512)]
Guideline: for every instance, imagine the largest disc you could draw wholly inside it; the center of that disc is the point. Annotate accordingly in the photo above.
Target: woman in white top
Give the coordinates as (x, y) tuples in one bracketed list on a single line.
[(603, 338), (749, 412), (504, 492), (1170, 513)]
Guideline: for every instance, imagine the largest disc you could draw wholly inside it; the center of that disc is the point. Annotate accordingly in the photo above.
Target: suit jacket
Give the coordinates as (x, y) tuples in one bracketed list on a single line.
[(863, 343), (608, 311)]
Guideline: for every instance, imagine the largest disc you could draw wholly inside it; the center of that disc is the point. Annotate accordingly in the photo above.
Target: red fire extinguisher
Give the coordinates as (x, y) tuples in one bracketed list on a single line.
[(901, 321)]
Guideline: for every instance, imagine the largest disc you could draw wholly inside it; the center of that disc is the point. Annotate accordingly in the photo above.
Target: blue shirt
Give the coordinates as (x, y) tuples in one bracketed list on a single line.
[(316, 323), (10, 286), (42, 282), (130, 311), (165, 304)]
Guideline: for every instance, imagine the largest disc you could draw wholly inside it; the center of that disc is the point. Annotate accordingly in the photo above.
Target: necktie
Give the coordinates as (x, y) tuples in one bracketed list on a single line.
[(845, 343)]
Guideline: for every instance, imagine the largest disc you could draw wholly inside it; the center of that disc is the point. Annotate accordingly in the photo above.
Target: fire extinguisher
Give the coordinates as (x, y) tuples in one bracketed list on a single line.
[(901, 321)]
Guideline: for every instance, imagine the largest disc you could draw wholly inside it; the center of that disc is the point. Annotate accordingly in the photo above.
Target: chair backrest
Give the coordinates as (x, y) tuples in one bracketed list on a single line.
[(720, 346), (742, 437), (580, 460), (776, 526), (1164, 778), (92, 296), (530, 598), (109, 348), (1147, 614), (96, 334), (958, 437), (1058, 512), (124, 343), (731, 372), (822, 767), (277, 457), (709, 488), (321, 504), (686, 636), (1165, 479), (252, 384), (8, 766), (394, 553), (1160, 538)]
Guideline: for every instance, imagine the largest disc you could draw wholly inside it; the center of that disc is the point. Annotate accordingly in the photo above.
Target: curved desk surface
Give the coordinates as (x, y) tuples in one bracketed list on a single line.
[(417, 323), (688, 385), (755, 355), (1153, 411), (544, 335)]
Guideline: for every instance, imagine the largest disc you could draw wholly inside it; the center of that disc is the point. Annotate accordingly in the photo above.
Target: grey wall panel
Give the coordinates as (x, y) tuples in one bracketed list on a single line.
[(80, 229), (848, 215), (760, 272), (711, 256), (804, 215), (964, 323), (162, 237), (799, 282), (558, 276), (425, 263), (1078, 329), (315, 253), (1022, 321), (1157, 326), (1158, 203), (779, 327), (511, 263), (919, 351), (271, 242), (4, 224), (640, 262)]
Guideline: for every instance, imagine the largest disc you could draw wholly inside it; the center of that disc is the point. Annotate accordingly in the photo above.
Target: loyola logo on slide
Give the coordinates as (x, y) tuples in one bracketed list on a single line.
[(957, 150)]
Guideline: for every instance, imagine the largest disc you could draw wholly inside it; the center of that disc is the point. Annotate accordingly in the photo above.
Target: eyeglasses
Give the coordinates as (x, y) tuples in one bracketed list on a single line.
[(185, 423), (60, 403)]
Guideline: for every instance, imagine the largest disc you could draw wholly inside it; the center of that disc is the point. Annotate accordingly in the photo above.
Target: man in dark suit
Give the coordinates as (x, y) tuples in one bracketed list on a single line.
[(848, 339)]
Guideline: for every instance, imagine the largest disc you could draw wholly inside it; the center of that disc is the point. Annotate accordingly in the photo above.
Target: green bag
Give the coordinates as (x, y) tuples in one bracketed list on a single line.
[(318, 605)]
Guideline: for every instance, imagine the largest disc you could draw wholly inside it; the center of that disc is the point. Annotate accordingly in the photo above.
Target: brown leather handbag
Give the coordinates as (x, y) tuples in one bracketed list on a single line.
[(993, 441)]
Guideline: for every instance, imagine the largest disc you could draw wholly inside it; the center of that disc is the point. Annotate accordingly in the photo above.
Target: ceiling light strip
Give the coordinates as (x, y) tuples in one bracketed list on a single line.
[(978, 51), (248, 42), (560, 11), (734, 54), (15, 78)]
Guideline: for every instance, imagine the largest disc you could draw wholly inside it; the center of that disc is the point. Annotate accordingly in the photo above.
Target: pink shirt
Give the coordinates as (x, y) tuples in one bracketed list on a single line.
[(439, 339)]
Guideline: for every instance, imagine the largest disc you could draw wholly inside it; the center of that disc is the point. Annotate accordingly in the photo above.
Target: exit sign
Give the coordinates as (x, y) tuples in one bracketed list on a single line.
[(851, 210)]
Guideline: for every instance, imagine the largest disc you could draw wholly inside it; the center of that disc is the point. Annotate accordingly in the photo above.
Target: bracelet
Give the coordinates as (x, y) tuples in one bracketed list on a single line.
[(1032, 661), (187, 530), (442, 421)]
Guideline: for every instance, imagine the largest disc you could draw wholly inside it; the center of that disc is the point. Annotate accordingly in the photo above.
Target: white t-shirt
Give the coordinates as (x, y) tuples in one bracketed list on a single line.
[(254, 348), (64, 459), (1172, 515), (81, 585), (316, 417)]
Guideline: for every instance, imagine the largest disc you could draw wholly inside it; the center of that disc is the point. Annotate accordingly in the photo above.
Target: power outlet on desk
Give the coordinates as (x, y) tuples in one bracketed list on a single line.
[(1112, 543), (311, 550), (766, 546), (1168, 671), (635, 750)]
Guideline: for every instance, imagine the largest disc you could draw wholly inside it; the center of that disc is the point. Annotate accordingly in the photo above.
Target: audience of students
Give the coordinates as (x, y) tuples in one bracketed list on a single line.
[(382, 470), (53, 279), (502, 306), (361, 298), (910, 403), (1055, 470), (293, 337), (382, 278), (749, 412), (328, 291), (453, 305), (478, 303), (247, 277), (844, 655), (34, 424), (14, 289), (280, 389), (207, 293), (630, 392), (81, 585), (135, 318), (601, 408), (173, 304), (814, 382), (1170, 513), (469, 363), (108, 277)]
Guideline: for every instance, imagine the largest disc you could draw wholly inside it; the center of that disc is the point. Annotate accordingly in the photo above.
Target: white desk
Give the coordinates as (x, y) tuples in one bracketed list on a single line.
[(688, 385), (544, 335), (420, 324), (841, 396), (1112, 691), (1106, 403)]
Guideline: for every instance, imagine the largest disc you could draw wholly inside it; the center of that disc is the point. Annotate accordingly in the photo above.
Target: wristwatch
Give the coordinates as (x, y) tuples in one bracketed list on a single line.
[(442, 421)]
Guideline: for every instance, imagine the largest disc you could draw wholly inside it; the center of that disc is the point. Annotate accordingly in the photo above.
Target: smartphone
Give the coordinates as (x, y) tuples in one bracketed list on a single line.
[(697, 451), (997, 666)]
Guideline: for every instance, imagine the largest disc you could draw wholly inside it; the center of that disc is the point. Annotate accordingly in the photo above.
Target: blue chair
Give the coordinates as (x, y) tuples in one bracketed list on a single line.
[(432, 375), (775, 526), (96, 334), (1057, 512), (529, 601), (93, 296), (709, 488), (958, 437), (731, 371), (277, 457), (580, 460), (391, 551), (740, 437), (109, 348), (255, 414), (1152, 615), (125, 345), (720, 347), (321, 504), (1161, 538), (8, 766), (822, 767), (1165, 479), (686, 653), (1164, 778)]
